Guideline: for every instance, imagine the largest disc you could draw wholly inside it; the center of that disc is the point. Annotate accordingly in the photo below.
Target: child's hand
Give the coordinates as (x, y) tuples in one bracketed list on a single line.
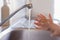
[(42, 22), (47, 24)]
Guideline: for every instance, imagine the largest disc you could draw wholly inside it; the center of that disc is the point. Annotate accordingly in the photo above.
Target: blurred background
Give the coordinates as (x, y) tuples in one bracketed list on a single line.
[(39, 6)]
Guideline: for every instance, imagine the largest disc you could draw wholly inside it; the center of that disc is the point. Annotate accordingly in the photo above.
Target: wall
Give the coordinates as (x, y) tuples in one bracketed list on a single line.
[(42, 6)]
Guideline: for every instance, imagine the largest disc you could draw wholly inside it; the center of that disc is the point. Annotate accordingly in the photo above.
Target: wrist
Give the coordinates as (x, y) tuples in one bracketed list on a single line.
[(55, 27)]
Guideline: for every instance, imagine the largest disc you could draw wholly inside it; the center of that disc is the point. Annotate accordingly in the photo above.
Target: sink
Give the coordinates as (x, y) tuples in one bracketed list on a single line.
[(28, 35)]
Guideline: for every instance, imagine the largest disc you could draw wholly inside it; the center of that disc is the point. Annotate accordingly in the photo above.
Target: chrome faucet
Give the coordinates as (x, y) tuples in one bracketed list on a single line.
[(24, 6)]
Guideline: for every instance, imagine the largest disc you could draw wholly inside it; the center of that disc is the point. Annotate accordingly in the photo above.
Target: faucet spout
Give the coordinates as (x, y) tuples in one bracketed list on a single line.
[(10, 16)]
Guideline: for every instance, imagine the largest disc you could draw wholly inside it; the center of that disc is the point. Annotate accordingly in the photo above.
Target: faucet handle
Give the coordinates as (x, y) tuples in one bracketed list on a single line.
[(29, 4)]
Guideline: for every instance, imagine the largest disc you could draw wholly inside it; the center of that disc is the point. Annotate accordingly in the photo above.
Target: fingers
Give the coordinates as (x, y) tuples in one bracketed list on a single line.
[(40, 26), (41, 22), (38, 19), (37, 23), (50, 18), (41, 18)]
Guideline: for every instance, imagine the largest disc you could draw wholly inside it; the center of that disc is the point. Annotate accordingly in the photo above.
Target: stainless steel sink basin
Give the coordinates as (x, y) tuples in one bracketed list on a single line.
[(28, 35)]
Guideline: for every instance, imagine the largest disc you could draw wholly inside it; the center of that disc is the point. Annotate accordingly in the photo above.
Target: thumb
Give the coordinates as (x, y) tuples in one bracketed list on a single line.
[(50, 18)]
